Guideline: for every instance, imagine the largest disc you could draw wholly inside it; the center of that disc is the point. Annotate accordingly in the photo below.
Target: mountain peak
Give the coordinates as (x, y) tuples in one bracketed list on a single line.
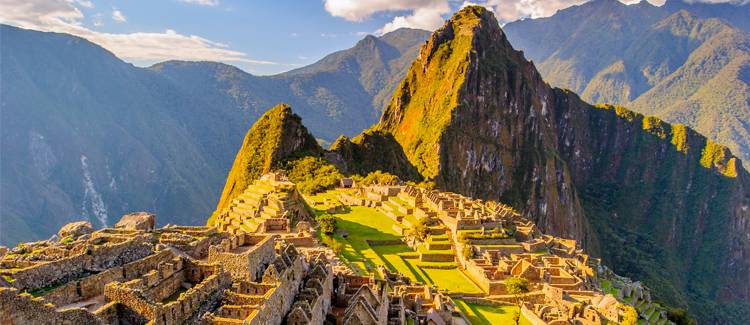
[(276, 135)]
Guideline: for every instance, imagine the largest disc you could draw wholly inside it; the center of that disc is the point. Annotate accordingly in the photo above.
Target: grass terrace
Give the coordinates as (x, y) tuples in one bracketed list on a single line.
[(363, 224), (489, 315)]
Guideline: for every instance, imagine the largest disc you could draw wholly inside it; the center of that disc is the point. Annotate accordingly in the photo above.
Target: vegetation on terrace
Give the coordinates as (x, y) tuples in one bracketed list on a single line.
[(359, 226)]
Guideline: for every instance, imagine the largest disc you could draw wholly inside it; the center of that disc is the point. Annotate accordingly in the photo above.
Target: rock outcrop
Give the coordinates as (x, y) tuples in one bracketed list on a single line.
[(137, 221), (278, 134), (656, 201), (75, 229)]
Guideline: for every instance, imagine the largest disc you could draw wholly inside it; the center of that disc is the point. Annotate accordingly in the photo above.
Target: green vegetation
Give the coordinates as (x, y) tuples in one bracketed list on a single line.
[(276, 135), (630, 316), (377, 178), (488, 315), (67, 240), (420, 229), (467, 252), (495, 233), (516, 285), (680, 317), (327, 223), (655, 126), (420, 110), (716, 155), (362, 224), (312, 174), (679, 137)]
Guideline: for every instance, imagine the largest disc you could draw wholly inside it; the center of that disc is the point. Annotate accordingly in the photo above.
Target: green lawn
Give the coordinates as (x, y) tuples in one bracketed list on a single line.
[(363, 223), (489, 315)]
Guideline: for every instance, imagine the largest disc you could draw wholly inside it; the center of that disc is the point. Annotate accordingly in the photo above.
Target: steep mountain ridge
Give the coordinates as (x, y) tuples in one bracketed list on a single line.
[(475, 117), (276, 135), (664, 61)]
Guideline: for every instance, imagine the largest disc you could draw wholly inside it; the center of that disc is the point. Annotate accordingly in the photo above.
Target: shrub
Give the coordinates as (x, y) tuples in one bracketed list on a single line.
[(327, 223), (312, 174), (380, 178), (420, 230), (630, 316), (336, 246), (516, 285), (67, 240), (680, 317), (467, 252)]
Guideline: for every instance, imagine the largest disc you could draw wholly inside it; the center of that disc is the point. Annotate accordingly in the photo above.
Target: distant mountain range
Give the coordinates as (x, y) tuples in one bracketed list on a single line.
[(96, 137), (683, 62), (92, 136)]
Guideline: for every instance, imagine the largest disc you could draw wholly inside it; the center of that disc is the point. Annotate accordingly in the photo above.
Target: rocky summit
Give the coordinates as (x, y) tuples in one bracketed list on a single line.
[(482, 196), (475, 117)]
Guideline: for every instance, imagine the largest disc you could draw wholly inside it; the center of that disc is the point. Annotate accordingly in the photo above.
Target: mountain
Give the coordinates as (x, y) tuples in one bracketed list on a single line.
[(656, 201), (343, 93), (86, 134), (733, 12), (664, 61), (94, 137), (276, 135)]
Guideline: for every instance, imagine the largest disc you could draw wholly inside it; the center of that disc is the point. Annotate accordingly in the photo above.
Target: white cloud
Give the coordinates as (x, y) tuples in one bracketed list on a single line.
[(84, 3), (63, 16), (118, 16), (429, 14), (423, 14), (209, 3)]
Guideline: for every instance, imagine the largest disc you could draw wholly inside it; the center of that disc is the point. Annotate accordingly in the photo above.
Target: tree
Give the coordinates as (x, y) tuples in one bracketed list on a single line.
[(327, 223), (467, 252), (420, 230), (630, 315), (679, 316), (516, 286), (380, 178)]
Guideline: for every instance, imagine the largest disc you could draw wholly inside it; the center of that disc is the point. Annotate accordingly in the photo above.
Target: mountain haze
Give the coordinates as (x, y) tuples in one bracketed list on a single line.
[(665, 61), (94, 137)]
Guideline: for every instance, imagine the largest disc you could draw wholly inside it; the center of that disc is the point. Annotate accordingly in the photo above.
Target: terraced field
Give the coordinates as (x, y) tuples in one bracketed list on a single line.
[(489, 315), (359, 226)]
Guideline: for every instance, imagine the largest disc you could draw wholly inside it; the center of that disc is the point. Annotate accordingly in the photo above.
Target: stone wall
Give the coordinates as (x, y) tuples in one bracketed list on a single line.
[(23, 309), (243, 265), (280, 301), (46, 273)]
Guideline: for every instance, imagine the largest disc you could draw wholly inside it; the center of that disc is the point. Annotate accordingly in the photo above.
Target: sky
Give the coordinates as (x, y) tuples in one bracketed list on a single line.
[(261, 37)]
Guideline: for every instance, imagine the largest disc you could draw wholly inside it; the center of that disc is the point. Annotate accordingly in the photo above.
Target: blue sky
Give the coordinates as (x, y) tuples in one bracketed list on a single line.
[(259, 36), (288, 33)]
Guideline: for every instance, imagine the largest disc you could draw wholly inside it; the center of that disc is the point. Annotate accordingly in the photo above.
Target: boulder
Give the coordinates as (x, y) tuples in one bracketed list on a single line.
[(137, 221), (75, 229)]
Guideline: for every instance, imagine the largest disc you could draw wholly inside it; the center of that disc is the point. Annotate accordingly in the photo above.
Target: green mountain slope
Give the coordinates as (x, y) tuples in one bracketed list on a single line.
[(664, 61), (656, 201), (276, 135)]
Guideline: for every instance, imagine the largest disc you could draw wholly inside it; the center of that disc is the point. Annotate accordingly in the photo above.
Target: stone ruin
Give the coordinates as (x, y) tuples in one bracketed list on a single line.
[(271, 204), (247, 269), (137, 274)]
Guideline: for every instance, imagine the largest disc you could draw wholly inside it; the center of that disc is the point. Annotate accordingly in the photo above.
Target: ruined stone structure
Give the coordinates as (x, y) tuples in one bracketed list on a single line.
[(247, 268), (271, 204)]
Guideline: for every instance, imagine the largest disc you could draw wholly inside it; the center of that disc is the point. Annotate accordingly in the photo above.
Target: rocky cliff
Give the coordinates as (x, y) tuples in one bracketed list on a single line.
[(278, 134), (656, 201)]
